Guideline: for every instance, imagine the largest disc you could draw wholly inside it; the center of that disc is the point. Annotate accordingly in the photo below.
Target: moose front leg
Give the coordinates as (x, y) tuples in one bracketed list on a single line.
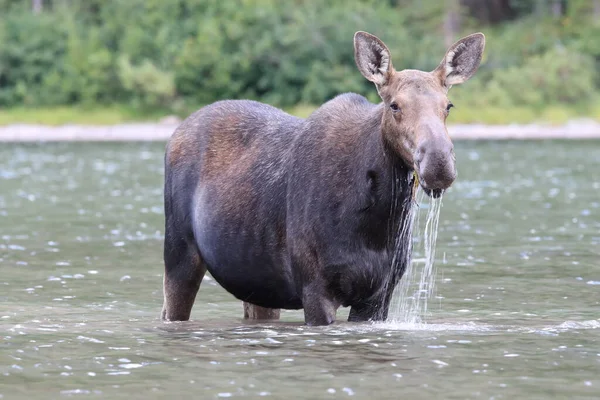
[(319, 306), (375, 309), (367, 312), (254, 312)]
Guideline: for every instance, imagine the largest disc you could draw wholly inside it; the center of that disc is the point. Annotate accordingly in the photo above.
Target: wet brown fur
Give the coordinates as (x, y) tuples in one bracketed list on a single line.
[(292, 213)]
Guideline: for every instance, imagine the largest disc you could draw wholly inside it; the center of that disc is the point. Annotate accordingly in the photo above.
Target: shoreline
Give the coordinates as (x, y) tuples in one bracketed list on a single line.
[(161, 131)]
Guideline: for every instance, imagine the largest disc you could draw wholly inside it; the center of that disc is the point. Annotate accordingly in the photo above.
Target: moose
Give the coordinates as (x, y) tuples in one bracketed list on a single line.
[(291, 213)]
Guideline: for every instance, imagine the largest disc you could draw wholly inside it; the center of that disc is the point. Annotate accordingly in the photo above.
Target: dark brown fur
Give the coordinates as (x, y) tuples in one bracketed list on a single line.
[(292, 213)]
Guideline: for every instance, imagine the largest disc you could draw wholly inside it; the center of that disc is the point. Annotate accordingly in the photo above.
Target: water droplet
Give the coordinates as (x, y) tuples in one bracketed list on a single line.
[(75, 391), (89, 339), (131, 365)]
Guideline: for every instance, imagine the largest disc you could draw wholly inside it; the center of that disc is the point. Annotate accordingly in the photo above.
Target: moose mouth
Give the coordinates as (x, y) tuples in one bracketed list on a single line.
[(435, 185), (435, 193), (434, 181)]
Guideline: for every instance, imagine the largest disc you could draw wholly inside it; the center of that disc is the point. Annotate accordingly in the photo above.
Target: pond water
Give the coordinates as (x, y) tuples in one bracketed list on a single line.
[(515, 313)]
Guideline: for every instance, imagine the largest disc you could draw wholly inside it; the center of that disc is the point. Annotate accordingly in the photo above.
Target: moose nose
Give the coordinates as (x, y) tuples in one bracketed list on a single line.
[(434, 160)]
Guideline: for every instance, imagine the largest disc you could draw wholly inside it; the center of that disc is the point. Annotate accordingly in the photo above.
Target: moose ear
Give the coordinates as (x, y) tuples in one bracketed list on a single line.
[(461, 60), (372, 58)]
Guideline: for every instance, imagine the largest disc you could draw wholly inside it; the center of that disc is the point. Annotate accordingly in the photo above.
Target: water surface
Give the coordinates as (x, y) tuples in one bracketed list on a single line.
[(515, 312)]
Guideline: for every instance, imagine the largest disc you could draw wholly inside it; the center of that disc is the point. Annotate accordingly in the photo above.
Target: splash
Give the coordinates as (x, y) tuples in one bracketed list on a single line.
[(410, 299)]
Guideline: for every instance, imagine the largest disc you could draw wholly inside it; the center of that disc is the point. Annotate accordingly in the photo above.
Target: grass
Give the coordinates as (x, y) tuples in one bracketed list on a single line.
[(55, 116), (301, 110), (551, 115), (102, 115)]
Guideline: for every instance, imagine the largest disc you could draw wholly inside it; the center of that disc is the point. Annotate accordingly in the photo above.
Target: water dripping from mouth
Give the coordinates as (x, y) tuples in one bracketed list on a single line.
[(410, 299)]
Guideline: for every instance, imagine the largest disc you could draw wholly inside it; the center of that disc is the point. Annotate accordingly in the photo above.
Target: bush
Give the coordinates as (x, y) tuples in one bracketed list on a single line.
[(559, 76), (180, 54), (148, 86), (31, 56)]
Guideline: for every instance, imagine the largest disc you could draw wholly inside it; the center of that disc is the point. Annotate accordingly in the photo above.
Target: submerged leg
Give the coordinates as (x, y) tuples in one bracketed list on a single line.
[(319, 306), (367, 312), (252, 311), (184, 270), (374, 310)]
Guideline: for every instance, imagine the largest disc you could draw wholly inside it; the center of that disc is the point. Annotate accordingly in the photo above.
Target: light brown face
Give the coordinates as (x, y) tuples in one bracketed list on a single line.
[(416, 105), (414, 123)]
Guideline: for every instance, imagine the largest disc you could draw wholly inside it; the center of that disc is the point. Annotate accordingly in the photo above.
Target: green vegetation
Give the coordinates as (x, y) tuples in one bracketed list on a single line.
[(99, 61), (74, 114)]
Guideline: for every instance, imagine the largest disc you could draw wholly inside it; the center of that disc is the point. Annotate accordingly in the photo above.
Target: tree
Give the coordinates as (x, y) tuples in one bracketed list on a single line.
[(36, 6), (451, 21), (490, 11), (557, 8)]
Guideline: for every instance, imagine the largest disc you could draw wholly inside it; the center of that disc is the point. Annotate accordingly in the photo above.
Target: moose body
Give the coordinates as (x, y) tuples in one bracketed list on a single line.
[(309, 213)]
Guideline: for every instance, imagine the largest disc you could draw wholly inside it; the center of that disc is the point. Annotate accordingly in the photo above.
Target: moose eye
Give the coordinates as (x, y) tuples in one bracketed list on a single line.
[(394, 107), (448, 107)]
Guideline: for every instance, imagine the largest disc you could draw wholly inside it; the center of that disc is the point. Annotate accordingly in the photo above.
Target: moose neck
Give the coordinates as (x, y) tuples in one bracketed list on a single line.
[(392, 180), (385, 148), (390, 220)]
